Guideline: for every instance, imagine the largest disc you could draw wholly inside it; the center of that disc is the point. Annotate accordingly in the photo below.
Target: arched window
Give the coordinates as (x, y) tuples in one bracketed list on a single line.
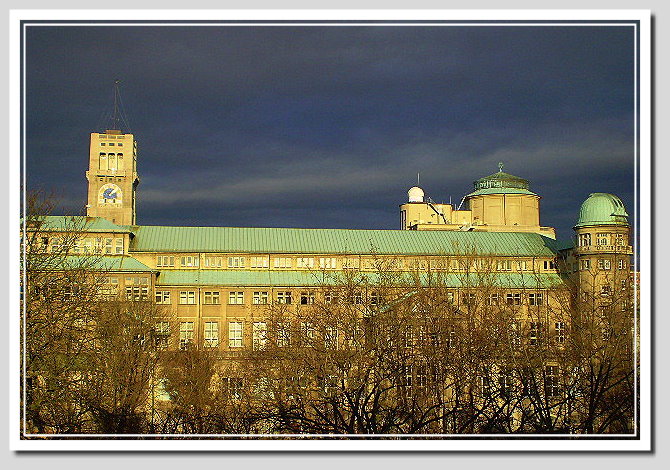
[(119, 161), (103, 161), (112, 161)]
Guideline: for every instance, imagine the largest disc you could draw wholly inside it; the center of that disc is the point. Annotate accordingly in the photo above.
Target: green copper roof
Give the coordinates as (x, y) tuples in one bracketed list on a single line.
[(77, 223), (97, 263), (336, 241), (602, 209), (501, 183), (268, 278)]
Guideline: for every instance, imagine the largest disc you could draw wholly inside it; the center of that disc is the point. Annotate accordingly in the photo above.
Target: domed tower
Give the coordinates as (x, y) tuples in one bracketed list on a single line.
[(504, 203), (603, 248)]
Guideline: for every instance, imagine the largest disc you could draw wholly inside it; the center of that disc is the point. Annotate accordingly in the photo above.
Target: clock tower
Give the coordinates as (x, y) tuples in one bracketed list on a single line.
[(112, 171), (112, 177)]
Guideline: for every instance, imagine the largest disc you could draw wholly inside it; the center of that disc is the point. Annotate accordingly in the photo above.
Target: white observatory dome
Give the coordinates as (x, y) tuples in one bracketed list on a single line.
[(415, 194)]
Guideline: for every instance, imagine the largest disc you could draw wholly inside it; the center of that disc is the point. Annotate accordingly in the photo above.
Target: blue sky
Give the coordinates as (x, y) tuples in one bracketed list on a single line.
[(321, 126)]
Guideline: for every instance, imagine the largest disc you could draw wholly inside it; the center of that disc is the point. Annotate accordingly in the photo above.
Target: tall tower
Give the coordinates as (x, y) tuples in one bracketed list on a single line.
[(112, 171), (603, 251)]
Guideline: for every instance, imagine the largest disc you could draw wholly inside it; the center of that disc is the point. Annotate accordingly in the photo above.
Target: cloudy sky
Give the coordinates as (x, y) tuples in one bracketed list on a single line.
[(322, 126)]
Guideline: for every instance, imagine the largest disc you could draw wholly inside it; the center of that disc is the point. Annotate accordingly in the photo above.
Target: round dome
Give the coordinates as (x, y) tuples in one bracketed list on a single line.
[(602, 209), (415, 194), (501, 183)]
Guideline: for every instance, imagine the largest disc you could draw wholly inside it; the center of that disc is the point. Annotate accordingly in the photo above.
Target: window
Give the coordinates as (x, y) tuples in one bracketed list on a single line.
[(605, 291), (406, 380), (330, 337), (260, 298), (306, 298), (504, 265), (559, 332), (331, 298), (451, 339), (109, 287), (260, 335), (585, 239), (586, 264), (163, 297), (408, 337), (283, 334), (211, 334), (621, 264), (505, 383), (190, 261), (235, 334), (357, 298), (604, 264), (109, 246), (327, 263), (212, 298), (492, 299), (514, 334), (534, 333), (513, 299), (450, 297), (551, 385), (602, 239), (469, 298), (284, 297), (259, 262), (374, 298), (549, 264), (162, 334), (236, 262), (213, 261), (187, 297), (233, 387), (354, 336), (119, 246), (185, 334), (351, 263), (304, 263), (420, 375), (165, 262), (535, 298), (282, 263), (137, 288), (98, 245), (236, 298), (307, 333), (620, 239)]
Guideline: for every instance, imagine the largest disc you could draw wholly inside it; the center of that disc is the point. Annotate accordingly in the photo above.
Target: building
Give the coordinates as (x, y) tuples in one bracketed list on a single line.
[(218, 281)]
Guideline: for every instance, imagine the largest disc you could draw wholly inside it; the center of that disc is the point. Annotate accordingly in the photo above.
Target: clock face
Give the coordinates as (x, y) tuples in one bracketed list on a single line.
[(109, 194)]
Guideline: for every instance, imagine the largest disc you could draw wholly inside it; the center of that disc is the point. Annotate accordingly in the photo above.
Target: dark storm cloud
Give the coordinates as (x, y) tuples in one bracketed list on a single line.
[(328, 126)]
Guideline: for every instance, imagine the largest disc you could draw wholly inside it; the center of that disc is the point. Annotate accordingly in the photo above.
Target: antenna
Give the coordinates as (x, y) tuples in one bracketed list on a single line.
[(115, 113), (117, 118)]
